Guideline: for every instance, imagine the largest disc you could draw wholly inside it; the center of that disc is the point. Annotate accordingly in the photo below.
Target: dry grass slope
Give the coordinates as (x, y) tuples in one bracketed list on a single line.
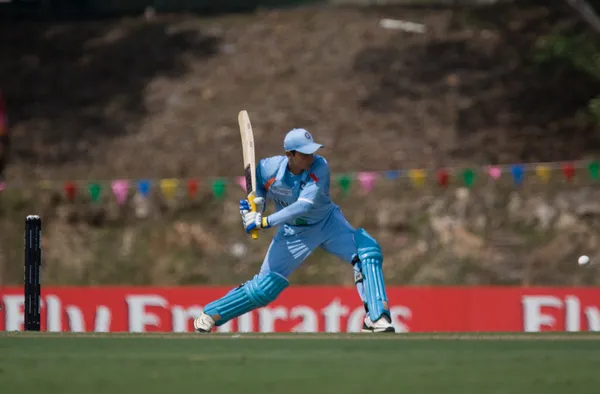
[(131, 98)]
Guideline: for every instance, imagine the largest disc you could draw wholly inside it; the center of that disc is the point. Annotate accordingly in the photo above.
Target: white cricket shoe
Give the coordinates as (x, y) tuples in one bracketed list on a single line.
[(383, 324), (204, 323)]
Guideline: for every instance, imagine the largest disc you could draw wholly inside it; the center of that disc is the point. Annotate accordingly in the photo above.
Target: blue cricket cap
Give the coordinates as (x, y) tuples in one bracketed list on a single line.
[(300, 140)]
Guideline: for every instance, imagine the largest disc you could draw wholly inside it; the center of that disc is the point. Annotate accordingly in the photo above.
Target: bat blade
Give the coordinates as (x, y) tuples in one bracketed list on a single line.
[(249, 160)]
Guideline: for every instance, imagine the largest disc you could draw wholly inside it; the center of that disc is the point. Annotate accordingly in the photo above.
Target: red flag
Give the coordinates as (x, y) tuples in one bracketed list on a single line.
[(569, 171), (70, 191), (192, 187), (442, 177)]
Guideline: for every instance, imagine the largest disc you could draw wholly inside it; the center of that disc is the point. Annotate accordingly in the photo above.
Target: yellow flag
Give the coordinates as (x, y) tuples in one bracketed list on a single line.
[(543, 172), (45, 185), (168, 187), (417, 177)]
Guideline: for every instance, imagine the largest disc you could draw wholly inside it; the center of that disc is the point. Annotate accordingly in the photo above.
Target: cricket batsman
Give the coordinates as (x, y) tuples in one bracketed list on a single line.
[(306, 218)]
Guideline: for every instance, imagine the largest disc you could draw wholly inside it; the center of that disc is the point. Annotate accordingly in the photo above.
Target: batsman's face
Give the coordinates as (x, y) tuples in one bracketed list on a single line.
[(300, 161)]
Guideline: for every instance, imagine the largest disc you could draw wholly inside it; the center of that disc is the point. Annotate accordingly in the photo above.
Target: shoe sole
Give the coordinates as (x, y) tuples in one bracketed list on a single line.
[(198, 329), (386, 330)]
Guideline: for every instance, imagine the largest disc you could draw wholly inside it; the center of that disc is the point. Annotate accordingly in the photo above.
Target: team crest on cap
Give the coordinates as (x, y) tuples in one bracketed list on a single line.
[(308, 136)]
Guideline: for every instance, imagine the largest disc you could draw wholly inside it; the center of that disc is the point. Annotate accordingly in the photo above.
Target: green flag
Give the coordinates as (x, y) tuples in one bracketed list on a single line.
[(469, 177), (594, 169), (94, 190), (218, 187), (345, 181)]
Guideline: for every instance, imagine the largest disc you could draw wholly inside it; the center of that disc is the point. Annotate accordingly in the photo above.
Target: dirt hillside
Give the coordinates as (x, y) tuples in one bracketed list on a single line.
[(132, 98), (159, 98)]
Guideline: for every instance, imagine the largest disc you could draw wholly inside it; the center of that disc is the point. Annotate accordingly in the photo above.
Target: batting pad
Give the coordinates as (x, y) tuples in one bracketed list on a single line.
[(255, 293), (371, 260)]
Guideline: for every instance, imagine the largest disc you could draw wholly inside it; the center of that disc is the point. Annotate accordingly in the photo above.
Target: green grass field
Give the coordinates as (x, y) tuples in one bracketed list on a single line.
[(299, 363)]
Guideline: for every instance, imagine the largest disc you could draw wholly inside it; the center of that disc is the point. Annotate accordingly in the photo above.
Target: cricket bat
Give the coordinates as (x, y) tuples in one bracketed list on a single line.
[(249, 160)]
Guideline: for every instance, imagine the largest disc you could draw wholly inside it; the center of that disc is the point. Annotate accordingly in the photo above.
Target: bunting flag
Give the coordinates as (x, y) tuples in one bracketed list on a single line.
[(495, 173), (192, 188), (120, 189), (442, 177), (241, 181), (469, 177), (70, 191), (218, 187), (169, 187), (366, 180), (143, 187), (345, 182), (392, 174), (544, 173), (45, 185), (94, 189), (417, 177), (594, 169), (518, 174), (569, 171)]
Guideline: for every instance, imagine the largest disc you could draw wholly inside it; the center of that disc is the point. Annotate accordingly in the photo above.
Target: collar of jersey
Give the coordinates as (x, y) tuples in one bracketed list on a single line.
[(283, 169)]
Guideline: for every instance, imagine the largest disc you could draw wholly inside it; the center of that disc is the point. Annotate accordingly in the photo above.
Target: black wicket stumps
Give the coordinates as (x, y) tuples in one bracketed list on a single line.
[(33, 265)]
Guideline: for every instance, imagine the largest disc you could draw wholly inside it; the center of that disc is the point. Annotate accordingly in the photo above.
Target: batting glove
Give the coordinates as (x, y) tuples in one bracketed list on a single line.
[(255, 220), (249, 218), (258, 201)]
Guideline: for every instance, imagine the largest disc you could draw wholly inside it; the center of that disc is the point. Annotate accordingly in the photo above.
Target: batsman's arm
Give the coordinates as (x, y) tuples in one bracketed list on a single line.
[(288, 213), (318, 184)]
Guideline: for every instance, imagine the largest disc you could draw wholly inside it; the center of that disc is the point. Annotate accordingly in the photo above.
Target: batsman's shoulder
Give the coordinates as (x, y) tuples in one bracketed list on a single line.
[(320, 161), (320, 167), (270, 165)]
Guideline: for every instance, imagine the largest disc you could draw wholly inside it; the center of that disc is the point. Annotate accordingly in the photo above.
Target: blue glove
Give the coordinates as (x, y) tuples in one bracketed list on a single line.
[(253, 220), (258, 201)]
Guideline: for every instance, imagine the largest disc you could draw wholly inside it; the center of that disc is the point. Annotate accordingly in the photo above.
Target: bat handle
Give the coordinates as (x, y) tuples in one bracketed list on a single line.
[(253, 208)]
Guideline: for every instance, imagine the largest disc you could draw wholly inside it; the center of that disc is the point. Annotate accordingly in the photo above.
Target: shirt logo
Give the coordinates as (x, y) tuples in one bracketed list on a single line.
[(281, 190)]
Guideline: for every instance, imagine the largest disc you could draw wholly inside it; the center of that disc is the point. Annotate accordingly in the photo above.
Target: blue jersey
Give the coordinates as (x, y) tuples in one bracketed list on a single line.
[(300, 200)]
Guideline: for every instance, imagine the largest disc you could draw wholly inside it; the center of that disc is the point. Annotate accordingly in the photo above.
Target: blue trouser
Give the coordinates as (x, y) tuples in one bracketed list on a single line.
[(289, 248), (293, 244)]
